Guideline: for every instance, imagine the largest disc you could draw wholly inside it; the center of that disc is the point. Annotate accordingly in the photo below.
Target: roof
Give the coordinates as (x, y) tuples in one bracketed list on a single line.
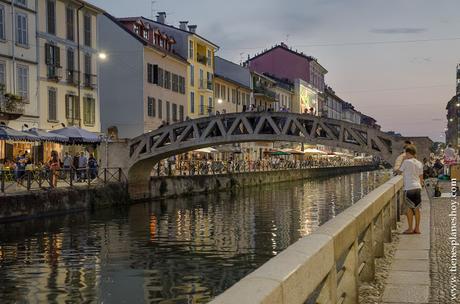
[(142, 40), (232, 72), (232, 81), (286, 48), (329, 91), (89, 5), (169, 26)]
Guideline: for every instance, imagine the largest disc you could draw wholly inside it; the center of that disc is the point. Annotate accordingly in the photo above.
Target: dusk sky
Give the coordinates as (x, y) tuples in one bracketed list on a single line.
[(393, 60)]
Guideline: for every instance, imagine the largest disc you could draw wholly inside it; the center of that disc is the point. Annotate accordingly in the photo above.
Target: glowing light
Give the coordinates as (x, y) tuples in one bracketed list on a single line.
[(219, 100), (102, 56)]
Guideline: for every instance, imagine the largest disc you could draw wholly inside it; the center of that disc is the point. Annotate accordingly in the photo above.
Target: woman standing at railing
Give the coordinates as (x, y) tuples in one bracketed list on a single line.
[(54, 165)]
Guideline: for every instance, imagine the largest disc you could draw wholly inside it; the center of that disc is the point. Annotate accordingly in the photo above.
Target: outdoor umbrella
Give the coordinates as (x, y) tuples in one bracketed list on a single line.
[(6, 133), (46, 136), (77, 135), (206, 150)]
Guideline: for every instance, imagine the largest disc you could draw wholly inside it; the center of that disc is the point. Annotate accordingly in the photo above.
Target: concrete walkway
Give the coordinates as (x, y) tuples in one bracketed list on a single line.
[(409, 277)]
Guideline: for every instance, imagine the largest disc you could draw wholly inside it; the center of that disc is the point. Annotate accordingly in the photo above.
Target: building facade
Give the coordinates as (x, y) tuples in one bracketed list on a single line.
[(143, 85), (68, 69), (333, 105), (453, 114), (199, 53), (232, 86), (18, 64)]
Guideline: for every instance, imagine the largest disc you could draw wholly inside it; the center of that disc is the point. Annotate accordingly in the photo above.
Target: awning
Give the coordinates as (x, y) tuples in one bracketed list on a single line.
[(78, 136), (292, 151), (313, 151), (46, 136), (206, 150), (6, 133)]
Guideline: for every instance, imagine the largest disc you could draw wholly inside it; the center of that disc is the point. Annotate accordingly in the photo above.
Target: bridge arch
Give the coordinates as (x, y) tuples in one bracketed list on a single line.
[(147, 149)]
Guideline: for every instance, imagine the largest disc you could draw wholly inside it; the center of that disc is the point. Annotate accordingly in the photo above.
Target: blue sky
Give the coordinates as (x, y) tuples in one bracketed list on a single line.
[(405, 86)]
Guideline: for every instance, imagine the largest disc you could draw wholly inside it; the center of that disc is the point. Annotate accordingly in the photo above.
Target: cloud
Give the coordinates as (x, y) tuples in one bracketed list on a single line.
[(399, 30)]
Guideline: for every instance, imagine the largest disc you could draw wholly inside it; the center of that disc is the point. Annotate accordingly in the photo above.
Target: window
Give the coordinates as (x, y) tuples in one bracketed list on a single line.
[(72, 107), (70, 23), (217, 90), (2, 73), (192, 102), (51, 16), (160, 77), (89, 111), (2, 22), (155, 73), (222, 92), (52, 55), (167, 80), (136, 29), (160, 108), (151, 106), (210, 103), (21, 2), (181, 85), (181, 113), (190, 49), (233, 95), (209, 57), (52, 105), (23, 81), (175, 83), (192, 75), (174, 112), (21, 29), (88, 79), (168, 112), (201, 104), (228, 94), (146, 34), (87, 28), (209, 81)]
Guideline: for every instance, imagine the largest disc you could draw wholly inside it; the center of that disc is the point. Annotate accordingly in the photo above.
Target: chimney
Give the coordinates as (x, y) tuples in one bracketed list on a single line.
[(161, 17), (192, 28), (183, 25)]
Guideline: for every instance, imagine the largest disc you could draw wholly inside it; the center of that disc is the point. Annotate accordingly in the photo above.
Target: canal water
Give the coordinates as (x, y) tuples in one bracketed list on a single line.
[(174, 251)]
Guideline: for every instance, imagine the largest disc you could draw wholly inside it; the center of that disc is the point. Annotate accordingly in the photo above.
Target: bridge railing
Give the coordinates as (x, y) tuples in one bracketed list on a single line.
[(208, 167), (328, 265)]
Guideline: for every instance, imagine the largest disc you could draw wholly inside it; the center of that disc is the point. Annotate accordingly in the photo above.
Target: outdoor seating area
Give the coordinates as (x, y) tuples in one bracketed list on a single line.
[(36, 159)]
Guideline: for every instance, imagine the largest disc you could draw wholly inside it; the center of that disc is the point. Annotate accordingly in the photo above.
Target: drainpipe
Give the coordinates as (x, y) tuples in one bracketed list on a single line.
[(78, 59), (37, 56), (13, 48)]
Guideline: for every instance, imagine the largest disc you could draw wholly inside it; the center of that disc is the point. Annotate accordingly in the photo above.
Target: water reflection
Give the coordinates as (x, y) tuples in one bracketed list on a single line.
[(174, 251)]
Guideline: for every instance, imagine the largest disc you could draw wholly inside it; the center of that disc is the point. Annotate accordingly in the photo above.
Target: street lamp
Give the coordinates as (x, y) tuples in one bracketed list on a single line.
[(102, 56), (457, 104), (451, 119), (219, 101)]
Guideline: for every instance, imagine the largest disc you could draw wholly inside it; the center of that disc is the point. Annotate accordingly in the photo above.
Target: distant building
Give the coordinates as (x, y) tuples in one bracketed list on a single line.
[(232, 86), (369, 121), (304, 72), (199, 53), (143, 84), (350, 114), (453, 121), (333, 107)]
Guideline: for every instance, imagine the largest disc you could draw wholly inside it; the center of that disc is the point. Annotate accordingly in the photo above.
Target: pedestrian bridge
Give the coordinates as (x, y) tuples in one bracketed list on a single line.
[(147, 149)]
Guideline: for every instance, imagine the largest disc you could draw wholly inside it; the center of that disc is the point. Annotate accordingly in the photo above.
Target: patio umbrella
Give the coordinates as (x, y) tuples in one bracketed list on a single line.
[(77, 135), (46, 136), (206, 150), (6, 133), (313, 151)]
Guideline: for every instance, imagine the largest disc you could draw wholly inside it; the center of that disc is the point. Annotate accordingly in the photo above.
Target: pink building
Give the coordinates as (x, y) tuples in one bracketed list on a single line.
[(285, 63)]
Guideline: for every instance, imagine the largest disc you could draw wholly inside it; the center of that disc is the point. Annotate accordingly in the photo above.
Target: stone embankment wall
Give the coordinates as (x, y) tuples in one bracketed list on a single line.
[(175, 186), (26, 205)]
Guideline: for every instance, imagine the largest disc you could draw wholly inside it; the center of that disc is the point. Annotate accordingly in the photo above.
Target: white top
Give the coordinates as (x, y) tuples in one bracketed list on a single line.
[(411, 169)]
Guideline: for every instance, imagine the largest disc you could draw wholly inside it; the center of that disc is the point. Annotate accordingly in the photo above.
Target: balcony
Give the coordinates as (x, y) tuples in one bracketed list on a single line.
[(265, 92), (202, 59), (54, 72), (11, 106), (72, 77), (89, 81), (205, 85)]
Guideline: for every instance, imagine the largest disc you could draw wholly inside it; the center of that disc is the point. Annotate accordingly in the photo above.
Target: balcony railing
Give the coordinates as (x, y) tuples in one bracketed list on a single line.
[(54, 72), (89, 81), (11, 104), (202, 59), (72, 77), (265, 91)]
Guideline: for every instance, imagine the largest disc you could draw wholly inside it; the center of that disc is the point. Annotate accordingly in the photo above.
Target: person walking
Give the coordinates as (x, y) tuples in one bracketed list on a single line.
[(67, 165), (450, 158), (92, 165), (54, 165), (412, 171)]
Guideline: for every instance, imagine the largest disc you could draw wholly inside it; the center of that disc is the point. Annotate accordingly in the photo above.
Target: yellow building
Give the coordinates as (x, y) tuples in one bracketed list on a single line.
[(67, 60), (199, 53)]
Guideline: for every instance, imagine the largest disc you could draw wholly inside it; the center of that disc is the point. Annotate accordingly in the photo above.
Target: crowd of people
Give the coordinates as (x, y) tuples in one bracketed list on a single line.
[(78, 167)]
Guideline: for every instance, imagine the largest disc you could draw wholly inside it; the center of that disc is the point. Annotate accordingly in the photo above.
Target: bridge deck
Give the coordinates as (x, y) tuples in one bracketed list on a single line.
[(409, 277)]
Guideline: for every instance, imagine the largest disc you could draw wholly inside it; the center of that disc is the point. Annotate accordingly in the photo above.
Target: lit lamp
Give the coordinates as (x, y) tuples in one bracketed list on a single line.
[(451, 119), (219, 100), (102, 56), (457, 104)]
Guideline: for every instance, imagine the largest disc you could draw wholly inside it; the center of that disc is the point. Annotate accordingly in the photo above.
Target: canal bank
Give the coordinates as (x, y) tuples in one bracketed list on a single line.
[(177, 186)]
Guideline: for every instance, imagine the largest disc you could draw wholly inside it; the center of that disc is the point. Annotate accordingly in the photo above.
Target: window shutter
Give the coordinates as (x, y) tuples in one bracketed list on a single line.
[(47, 53), (76, 107), (155, 74), (67, 106), (57, 53), (86, 117), (149, 73)]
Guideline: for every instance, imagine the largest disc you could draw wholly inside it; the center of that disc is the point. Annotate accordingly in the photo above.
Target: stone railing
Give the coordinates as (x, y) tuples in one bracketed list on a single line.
[(328, 265)]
